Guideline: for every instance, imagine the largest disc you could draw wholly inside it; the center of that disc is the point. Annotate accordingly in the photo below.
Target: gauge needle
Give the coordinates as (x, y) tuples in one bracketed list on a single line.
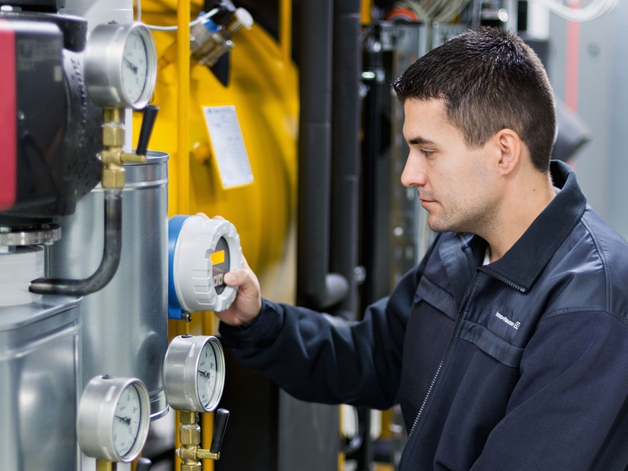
[(131, 66), (126, 420), (204, 373)]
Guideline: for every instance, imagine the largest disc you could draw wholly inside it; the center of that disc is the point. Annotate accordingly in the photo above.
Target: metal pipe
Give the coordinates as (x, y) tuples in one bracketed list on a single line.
[(345, 167), (316, 287), (110, 259)]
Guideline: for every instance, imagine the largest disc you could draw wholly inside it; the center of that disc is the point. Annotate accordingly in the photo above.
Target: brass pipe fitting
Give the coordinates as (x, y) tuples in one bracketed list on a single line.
[(102, 465), (112, 156), (190, 434)]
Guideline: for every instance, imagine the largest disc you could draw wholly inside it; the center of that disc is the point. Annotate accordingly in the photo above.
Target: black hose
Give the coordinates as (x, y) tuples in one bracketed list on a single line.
[(110, 259)]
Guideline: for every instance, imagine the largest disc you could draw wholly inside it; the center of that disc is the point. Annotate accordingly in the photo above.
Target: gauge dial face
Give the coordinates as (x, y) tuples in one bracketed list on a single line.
[(207, 374), (127, 420), (134, 66)]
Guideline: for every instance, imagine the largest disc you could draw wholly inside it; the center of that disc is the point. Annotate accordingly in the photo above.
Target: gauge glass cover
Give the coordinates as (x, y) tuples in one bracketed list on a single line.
[(135, 65), (207, 369), (127, 420)]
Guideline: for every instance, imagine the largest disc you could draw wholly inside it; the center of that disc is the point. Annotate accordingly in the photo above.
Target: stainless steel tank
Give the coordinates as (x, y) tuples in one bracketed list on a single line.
[(39, 384), (125, 324)]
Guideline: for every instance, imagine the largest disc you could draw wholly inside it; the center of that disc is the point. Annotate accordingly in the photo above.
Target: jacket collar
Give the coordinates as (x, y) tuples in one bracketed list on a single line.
[(525, 260)]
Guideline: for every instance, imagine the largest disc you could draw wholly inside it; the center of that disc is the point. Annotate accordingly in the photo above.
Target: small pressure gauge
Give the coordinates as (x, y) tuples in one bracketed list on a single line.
[(113, 418), (200, 252), (121, 65), (194, 373)]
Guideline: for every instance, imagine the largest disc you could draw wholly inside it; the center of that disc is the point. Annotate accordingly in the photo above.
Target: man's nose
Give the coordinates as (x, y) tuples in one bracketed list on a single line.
[(413, 173)]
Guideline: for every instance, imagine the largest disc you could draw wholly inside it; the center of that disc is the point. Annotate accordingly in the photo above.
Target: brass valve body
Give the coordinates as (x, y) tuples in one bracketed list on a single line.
[(190, 451), (112, 156)]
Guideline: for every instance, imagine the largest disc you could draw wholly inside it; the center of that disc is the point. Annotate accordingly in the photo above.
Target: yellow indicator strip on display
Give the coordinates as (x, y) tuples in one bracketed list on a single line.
[(217, 257)]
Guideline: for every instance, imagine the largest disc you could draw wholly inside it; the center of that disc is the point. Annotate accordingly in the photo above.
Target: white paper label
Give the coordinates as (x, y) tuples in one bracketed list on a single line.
[(228, 145)]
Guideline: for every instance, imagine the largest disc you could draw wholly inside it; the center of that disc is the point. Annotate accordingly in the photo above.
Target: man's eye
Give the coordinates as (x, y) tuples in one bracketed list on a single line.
[(426, 153)]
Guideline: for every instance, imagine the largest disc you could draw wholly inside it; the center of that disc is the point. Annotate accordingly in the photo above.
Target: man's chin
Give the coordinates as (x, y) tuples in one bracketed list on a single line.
[(434, 223)]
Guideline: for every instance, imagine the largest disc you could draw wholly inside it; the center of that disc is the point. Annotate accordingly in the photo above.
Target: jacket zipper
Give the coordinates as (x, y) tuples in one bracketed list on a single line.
[(440, 366), (504, 280), (449, 342)]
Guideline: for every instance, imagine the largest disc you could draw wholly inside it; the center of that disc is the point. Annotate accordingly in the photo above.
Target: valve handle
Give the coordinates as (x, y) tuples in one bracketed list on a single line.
[(220, 425), (150, 114), (143, 464)]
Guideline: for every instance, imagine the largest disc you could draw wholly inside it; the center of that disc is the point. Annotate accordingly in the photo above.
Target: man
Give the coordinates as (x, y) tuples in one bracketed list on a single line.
[(507, 348)]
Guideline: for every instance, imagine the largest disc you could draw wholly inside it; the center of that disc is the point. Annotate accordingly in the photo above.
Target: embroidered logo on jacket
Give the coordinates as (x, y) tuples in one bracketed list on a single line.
[(501, 317)]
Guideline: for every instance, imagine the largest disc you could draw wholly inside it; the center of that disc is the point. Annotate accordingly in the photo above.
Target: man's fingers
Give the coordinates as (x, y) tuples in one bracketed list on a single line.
[(245, 264), (237, 277)]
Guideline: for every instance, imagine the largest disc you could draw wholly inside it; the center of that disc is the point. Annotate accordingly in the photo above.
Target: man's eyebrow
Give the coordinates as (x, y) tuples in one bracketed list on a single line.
[(420, 141)]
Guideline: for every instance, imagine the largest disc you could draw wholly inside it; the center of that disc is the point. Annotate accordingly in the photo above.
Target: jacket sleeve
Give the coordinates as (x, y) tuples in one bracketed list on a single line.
[(569, 410), (315, 357)]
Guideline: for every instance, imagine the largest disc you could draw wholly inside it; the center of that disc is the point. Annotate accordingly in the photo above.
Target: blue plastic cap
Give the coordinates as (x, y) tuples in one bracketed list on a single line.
[(211, 26), (174, 229)]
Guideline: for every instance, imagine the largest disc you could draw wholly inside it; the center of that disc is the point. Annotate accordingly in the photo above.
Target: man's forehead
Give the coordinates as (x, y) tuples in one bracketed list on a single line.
[(420, 115)]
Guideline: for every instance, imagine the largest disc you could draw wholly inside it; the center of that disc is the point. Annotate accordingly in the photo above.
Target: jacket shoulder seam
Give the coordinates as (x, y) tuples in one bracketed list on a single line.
[(576, 310), (607, 276)]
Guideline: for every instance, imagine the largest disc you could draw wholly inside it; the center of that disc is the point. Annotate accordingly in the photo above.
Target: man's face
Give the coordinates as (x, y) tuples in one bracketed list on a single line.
[(457, 185)]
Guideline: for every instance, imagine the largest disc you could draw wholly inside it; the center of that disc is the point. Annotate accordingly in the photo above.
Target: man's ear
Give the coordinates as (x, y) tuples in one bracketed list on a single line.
[(511, 149)]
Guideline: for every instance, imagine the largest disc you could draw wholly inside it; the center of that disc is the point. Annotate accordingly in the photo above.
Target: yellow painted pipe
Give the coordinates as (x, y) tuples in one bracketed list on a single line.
[(207, 420), (183, 72), (285, 30), (182, 203), (365, 12)]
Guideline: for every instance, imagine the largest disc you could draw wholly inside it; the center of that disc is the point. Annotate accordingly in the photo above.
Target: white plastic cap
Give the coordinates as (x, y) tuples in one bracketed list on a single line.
[(193, 269), (244, 17)]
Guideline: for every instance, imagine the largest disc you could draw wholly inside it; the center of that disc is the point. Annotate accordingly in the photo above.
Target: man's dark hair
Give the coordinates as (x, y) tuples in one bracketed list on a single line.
[(490, 80)]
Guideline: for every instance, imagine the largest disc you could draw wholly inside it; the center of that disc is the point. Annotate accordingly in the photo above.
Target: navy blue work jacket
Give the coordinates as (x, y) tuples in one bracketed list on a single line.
[(518, 365)]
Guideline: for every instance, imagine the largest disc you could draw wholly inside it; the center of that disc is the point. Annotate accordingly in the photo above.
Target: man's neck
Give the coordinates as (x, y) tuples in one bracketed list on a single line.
[(518, 210)]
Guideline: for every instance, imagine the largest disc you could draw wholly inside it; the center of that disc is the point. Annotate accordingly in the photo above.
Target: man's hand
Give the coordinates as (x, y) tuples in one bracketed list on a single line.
[(248, 301)]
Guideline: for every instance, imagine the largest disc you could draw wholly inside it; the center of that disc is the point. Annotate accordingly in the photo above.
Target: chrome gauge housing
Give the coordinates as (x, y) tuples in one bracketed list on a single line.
[(121, 65), (113, 418), (194, 373)]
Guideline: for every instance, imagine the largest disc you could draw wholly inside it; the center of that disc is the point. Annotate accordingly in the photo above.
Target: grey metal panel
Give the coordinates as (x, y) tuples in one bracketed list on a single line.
[(596, 102), (618, 128), (305, 441), (125, 324), (39, 385)]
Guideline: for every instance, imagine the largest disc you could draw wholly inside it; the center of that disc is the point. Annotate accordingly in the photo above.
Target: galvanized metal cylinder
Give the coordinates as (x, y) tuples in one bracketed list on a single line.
[(124, 324)]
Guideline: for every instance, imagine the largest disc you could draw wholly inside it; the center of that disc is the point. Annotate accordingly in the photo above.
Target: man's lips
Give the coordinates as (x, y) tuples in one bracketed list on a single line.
[(426, 200)]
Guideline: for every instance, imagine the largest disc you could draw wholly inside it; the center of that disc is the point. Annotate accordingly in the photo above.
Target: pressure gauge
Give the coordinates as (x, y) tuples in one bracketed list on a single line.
[(194, 373), (121, 65), (113, 418), (200, 252)]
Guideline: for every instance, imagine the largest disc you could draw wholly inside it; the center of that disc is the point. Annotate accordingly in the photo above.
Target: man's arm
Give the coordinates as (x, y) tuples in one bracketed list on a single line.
[(318, 359), (569, 410)]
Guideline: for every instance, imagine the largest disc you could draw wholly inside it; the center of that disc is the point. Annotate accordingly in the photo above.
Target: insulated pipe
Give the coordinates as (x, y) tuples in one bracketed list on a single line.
[(344, 236), (316, 288), (371, 149), (110, 259), (345, 180)]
